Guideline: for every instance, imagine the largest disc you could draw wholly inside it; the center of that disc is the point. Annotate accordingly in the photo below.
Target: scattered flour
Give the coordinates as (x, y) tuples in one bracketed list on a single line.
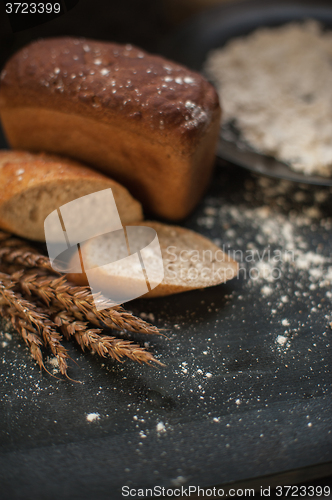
[(147, 316), (281, 340), (266, 290), (54, 362), (178, 481), (160, 428), (55, 365), (278, 245), (282, 248), (92, 417)]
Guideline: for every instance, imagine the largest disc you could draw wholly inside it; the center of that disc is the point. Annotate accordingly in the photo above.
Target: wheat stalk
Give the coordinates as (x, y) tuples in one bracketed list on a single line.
[(79, 301), (37, 319), (17, 252), (103, 345), (24, 256), (57, 290), (26, 330), (56, 303)]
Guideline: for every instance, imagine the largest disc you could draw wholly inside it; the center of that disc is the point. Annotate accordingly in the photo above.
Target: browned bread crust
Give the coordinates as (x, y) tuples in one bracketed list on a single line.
[(33, 185), (150, 123)]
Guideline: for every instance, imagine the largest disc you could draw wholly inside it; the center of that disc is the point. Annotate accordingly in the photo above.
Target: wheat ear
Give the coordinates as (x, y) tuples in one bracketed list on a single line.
[(27, 331), (103, 345), (79, 301), (38, 320)]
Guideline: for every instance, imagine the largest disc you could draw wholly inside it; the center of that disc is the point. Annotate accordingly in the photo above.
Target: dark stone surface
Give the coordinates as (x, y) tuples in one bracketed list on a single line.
[(265, 409), (236, 403)]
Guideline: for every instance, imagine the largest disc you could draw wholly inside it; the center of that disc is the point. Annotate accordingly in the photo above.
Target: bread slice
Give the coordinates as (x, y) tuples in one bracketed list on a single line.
[(149, 123), (33, 185), (190, 261)]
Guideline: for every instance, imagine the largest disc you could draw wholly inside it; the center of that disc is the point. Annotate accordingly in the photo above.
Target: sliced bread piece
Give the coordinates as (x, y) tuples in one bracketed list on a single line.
[(190, 261), (33, 185)]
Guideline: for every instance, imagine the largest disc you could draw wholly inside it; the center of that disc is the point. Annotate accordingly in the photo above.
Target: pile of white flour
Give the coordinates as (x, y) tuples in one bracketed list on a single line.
[(276, 85)]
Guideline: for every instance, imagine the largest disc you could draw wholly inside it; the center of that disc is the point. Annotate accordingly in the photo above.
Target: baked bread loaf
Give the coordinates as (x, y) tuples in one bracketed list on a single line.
[(149, 123), (33, 185), (190, 260)]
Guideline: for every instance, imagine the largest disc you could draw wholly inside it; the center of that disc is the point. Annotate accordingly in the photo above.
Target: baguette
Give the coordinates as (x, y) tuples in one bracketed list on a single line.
[(32, 186), (190, 260), (147, 122)]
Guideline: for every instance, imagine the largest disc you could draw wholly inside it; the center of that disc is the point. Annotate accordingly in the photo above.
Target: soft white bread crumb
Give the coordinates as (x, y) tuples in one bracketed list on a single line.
[(34, 185), (190, 261)]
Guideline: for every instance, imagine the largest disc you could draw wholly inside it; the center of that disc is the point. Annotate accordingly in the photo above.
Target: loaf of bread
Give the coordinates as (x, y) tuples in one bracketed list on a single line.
[(33, 185), (149, 123), (190, 261)]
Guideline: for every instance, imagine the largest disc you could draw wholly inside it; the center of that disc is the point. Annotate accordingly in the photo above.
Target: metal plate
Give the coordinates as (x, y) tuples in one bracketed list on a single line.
[(213, 29)]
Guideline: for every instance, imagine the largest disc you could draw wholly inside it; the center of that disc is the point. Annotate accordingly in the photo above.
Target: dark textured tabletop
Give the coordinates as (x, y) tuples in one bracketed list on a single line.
[(246, 391)]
